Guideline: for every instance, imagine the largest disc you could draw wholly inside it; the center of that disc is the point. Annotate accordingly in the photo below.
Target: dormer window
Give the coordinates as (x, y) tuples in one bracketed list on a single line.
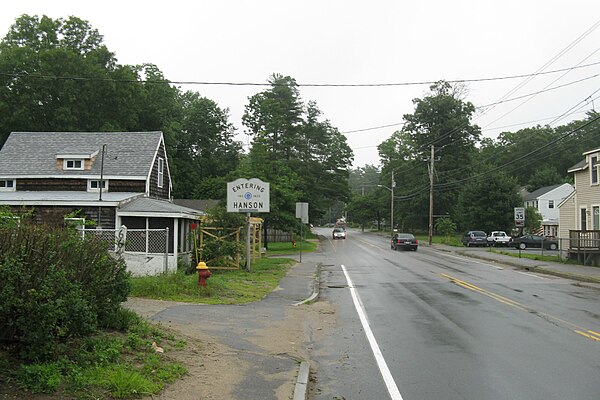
[(73, 164), (7, 185), (94, 185), (75, 160)]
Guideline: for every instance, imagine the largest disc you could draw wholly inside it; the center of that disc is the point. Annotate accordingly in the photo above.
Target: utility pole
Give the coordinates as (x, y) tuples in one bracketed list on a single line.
[(392, 203), (431, 195)]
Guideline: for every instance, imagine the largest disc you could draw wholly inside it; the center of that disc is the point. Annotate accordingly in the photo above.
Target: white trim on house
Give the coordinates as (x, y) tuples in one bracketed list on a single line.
[(161, 172), (74, 162), (594, 163), (579, 219), (66, 198), (86, 156), (8, 185), (91, 188), (592, 151), (595, 216), (65, 176)]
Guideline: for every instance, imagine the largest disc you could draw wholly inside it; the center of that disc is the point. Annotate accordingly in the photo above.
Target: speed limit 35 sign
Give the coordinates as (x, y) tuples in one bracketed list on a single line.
[(519, 216)]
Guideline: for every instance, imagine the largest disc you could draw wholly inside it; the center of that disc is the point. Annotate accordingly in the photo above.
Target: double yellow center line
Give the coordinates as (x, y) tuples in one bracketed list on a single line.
[(592, 335)]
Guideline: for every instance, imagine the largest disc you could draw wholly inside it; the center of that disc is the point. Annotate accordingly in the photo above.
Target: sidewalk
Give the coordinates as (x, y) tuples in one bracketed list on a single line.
[(580, 273), (250, 351)]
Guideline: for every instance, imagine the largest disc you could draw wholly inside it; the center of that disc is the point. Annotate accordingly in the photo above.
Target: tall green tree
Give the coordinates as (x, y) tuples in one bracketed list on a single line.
[(544, 176), (363, 209), (205, 149), (291, 137), (487, 203), (57, 75), (323, 160), (441, 119), (364, 180), (274, 117)]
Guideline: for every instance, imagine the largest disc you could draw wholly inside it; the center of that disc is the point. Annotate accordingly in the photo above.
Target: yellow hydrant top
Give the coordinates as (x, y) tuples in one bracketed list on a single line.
[(201, 265)]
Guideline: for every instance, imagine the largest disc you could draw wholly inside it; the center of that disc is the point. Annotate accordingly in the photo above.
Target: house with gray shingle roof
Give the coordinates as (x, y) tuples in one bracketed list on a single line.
[(546, 201), (108, 178)]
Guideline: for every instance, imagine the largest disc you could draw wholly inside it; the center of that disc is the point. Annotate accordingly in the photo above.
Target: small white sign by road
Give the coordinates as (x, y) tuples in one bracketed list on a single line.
[(519, 216), (248, 196)]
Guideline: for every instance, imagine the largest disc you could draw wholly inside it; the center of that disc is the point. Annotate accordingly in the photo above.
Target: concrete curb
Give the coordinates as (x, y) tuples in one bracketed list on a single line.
[(300, 390), (316, 285), (568, 275)]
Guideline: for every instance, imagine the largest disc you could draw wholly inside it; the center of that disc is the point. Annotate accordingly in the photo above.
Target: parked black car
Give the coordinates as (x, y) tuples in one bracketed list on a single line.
[(533, 241), (405, 241), (475, 238)]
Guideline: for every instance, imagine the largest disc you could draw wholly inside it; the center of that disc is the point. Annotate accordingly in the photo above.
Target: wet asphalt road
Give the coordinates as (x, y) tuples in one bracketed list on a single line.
[(452, 328)]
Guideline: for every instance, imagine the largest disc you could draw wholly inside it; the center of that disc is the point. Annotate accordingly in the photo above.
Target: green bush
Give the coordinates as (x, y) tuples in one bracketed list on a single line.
[(56, 286)]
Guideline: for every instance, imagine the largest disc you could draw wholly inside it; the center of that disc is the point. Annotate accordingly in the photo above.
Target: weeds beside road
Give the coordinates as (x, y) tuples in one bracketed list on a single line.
[(128, 364)]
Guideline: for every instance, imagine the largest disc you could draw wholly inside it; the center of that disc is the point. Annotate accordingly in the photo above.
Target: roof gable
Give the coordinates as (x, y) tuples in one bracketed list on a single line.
[(541, 191), (127, 154)]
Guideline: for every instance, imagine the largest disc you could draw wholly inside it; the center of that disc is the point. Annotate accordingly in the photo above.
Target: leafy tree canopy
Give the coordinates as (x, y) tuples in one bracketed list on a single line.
[(57, 75), (488, 204), (292, 137)]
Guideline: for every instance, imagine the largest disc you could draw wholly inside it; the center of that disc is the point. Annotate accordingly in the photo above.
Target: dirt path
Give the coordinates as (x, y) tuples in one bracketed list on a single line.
[(226, 355)]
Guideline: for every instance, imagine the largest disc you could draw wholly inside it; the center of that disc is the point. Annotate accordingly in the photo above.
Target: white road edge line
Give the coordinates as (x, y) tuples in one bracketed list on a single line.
[(383, 368), (530, 274), (471, 259)]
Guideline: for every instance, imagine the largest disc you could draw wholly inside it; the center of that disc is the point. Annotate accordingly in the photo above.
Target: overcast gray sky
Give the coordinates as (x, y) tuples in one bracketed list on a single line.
[(361, 42)]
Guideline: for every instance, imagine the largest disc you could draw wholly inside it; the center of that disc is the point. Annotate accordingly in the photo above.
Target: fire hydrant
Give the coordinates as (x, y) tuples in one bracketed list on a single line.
[(203, 273)]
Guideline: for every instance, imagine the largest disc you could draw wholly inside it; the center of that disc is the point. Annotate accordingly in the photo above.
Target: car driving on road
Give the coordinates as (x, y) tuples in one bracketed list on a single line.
[(533, 241), (339, 233), (404, 241)]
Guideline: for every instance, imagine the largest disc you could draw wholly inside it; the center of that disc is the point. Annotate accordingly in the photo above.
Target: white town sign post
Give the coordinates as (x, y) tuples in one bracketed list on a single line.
[(248, 196)]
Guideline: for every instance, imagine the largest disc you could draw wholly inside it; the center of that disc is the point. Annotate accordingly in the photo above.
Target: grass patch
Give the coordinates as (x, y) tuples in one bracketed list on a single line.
[(223, 287), (452, 240), (280, 248), (537, 257), (107, 365)]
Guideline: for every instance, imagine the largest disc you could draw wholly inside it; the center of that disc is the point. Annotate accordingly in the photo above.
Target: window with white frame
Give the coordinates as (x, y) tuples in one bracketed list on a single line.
[(594, 169), (550, 203), (94, 185), (161, 167), (7, 185), (73, 164)]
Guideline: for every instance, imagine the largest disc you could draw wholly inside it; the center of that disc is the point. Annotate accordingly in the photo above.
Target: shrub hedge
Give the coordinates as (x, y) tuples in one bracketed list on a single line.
[(55, 286)]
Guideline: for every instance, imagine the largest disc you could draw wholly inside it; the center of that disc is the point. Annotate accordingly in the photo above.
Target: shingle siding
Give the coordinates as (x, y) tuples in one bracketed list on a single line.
[(50, 184), (164, 191)]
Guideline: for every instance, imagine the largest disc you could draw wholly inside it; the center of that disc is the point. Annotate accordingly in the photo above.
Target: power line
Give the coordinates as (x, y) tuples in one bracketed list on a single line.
[(552, 142), (262, 84), (479, 108)]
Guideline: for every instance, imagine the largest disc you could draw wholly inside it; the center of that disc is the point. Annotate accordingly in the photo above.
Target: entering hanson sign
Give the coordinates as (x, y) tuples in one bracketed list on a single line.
[(248, 195)]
